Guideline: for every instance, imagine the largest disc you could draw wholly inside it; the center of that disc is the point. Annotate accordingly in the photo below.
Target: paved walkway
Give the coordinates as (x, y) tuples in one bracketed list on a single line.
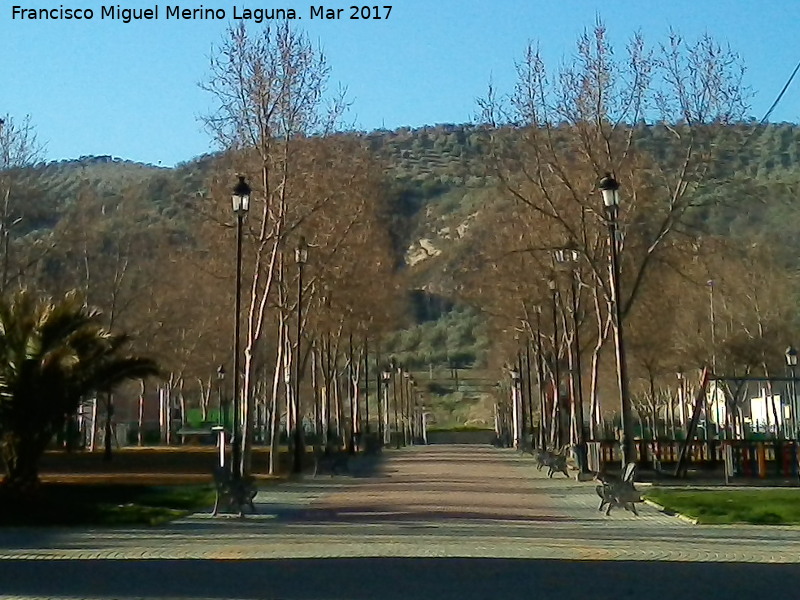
[(487, 516)]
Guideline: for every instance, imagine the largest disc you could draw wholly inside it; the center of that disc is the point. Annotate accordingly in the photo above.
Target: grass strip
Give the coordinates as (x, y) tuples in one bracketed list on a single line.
[(757, 506), (62, 504)]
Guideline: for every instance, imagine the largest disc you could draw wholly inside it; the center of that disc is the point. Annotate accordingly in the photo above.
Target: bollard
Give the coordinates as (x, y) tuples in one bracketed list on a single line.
[(761, 455), (221, 444)]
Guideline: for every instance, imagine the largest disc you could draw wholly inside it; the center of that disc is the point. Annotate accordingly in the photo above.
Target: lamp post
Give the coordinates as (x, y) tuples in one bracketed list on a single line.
[(791, 362), (411, 409), (404, 389), (386, 377), (515, 410), (610, 190), (396, 370), (240, 200), (220, 403), (300, 257), (569, 258)]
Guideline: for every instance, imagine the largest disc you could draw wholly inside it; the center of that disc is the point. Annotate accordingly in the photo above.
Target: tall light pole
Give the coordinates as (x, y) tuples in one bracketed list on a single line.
[(570, 258), (220, 380), (240, 200), (411, 409), (610, 190), (404, 405), (300, 257), (515, 409), (386, 377), (396, 370), (791, 362)]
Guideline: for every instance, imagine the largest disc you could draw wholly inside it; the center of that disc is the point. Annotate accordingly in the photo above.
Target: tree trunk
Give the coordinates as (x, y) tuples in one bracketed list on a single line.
[(602, 332), (140, 416), (93, 428), (182, 405), (205, 397), (337, 402), (21, 456), (291, 414), (275, 418), (316, 394), (109, 428)]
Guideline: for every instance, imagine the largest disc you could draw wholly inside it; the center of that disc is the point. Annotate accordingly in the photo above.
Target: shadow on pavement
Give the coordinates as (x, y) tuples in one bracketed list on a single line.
[(394, 578)]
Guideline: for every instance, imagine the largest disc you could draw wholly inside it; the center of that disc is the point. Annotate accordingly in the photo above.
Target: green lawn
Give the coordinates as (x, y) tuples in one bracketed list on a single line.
[(106, 504), (762, 507)]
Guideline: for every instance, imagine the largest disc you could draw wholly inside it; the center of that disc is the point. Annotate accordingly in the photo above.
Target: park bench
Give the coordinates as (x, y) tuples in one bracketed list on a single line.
[(233, 494), (331, 460), (526, 445), (556, 462), (619, 492), (541, 458), (372, 445)]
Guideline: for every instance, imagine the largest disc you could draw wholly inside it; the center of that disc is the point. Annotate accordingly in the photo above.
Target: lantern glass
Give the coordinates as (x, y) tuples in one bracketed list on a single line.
[(240, 198)]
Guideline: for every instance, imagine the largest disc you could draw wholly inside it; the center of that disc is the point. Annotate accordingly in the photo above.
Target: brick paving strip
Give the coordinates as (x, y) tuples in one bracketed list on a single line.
[(430, 501)]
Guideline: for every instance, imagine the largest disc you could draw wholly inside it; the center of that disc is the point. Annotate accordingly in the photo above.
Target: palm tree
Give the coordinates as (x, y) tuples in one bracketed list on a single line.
[(52, 355)]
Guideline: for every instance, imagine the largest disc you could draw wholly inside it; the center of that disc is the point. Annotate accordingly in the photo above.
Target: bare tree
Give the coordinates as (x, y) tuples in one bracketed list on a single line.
[(19, 148), (274, 117), (558, 132)]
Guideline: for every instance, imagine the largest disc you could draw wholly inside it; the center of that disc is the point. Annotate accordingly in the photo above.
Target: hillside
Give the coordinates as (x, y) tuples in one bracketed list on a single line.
[(438, 182)]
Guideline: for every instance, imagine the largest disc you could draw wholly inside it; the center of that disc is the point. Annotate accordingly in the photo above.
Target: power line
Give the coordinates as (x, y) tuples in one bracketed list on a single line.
[(780, 96), (774, 104)]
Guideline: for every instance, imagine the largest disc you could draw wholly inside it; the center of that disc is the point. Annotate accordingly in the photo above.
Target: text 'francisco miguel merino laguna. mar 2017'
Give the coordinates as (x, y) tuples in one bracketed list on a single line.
[(118, 12)]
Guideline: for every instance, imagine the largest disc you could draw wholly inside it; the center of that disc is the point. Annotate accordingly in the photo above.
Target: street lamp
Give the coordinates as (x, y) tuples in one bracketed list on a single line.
[(569, 258), (240, 201), (220, 381), (610, 190), (386, 377), (411, 402), (791, 362), (396, 370), (405, 390), (515, 411), (300, 257)]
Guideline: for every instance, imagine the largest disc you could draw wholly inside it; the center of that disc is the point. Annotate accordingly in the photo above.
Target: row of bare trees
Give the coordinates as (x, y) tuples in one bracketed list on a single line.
[(551, 140), (169, 275), (171, 279), (276, 121)]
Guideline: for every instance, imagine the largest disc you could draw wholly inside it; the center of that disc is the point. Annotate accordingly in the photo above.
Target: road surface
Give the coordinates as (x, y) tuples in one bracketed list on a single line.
[(435, 522)]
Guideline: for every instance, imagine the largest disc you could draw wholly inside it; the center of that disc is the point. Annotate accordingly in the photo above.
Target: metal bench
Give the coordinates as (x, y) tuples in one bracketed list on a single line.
[(619, 492), (331, 460), (556, 462), (233, 494), (526, 445)]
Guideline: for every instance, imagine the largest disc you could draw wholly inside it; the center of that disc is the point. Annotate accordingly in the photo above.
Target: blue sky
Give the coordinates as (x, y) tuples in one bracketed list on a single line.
[(130, 90)]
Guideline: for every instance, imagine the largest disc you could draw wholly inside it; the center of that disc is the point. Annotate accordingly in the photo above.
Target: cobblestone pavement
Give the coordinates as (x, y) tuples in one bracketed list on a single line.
[(475, 510)]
